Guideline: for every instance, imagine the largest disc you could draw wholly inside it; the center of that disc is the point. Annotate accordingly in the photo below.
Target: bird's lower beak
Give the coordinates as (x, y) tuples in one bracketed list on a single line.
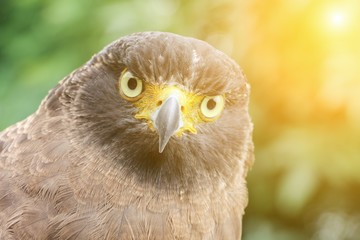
[(167, 120)]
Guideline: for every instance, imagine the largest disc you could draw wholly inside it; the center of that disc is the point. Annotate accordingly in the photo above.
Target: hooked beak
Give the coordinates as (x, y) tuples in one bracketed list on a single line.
[(167, 120)]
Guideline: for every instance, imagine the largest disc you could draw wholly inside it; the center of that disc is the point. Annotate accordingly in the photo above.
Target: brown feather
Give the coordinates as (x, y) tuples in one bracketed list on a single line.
[(82, 167)]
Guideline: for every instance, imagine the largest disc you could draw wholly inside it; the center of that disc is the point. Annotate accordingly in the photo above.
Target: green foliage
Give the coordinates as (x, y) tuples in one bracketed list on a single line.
[(302, 66)]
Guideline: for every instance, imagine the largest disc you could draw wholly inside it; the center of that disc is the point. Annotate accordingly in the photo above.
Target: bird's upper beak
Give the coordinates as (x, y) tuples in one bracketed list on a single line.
[(168, 111), (167, 120)]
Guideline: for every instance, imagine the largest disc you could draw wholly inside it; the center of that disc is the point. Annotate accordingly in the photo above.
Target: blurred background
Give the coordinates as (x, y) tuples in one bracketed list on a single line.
[(301, 57)]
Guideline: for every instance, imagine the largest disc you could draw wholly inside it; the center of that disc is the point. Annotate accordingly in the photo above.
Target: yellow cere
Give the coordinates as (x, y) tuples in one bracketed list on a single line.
[(154, 95)]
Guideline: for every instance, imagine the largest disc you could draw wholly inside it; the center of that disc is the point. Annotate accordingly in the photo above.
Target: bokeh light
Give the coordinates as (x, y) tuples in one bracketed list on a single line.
[(338, 19)]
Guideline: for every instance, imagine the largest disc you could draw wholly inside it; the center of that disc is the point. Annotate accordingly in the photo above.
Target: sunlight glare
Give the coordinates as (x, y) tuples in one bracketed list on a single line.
[(338, 19)]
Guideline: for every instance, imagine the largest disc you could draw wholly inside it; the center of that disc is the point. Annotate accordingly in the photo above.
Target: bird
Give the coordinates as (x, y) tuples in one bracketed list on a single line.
[(150, 139)]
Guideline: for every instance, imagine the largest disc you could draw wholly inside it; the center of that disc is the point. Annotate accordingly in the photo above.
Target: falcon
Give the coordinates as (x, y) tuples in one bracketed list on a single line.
[(150, 139)]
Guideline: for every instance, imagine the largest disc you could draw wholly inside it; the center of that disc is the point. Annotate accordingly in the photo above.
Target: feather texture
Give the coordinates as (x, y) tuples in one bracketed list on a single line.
[(82, 167)]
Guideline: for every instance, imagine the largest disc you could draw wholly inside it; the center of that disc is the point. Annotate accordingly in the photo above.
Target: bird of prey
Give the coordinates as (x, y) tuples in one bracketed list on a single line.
[(150, 139)]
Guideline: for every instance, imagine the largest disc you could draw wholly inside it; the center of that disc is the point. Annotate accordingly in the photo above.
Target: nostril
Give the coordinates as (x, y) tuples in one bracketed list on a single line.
[(159, 103)]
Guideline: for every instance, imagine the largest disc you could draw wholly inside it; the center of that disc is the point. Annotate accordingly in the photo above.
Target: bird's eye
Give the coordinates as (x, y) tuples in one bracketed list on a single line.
[(130, 86), (211, 107)]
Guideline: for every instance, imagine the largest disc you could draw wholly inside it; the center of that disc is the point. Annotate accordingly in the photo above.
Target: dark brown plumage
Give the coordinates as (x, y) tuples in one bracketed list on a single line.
[(83, 167)]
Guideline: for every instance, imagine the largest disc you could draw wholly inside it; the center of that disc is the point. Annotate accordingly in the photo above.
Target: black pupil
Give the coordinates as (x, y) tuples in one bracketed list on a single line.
[(211, 104), (132, 83)]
